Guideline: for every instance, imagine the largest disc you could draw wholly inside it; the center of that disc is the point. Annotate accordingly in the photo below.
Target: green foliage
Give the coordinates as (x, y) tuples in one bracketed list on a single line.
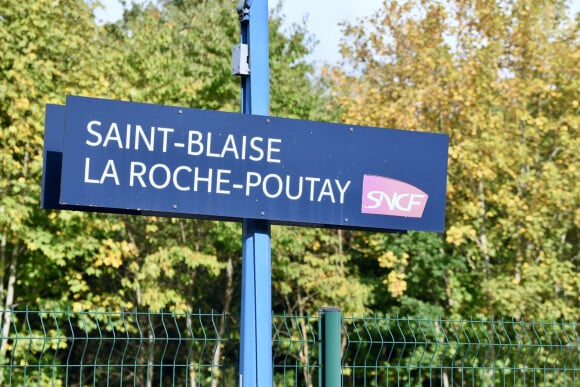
[(310, 271), (44, 57), (502, 79), (295, 92), (175, 53)]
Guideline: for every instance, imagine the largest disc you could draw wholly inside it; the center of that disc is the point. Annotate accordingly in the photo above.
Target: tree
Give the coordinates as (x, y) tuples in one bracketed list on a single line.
[(43, 58), (165, 54), (501, 79)]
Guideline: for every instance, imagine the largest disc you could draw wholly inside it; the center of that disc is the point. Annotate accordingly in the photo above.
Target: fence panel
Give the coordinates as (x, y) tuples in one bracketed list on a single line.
[(120, 348), (437, 352), (140, 348), (295, 352)]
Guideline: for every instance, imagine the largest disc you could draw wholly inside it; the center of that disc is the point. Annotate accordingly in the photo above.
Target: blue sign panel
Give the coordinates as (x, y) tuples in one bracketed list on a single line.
[(186, 162)]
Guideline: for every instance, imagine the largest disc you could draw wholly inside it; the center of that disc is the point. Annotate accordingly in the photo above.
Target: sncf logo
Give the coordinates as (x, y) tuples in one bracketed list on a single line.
[(384, 196)]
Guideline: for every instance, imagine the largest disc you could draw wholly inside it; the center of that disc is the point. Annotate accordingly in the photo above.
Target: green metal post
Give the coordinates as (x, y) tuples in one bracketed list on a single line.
[(329, 329)]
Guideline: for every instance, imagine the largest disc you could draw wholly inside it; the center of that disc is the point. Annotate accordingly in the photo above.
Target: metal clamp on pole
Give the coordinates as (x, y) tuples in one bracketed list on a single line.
[(244, 10), (240, 59), (241, 52)]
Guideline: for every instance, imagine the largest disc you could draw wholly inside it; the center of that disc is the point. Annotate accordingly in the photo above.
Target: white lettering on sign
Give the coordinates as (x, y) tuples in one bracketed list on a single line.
[(274, 186), (109, 172), (175, 179), (197, 178), (220, 181), (252, 149), (271, 150), (184, 178), (132, 137), (394, 201), (137, 174), (200, 178), (161, 179)]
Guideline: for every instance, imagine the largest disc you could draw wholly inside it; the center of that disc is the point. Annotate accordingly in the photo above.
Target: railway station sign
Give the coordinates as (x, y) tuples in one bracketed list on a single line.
[(130, 157)]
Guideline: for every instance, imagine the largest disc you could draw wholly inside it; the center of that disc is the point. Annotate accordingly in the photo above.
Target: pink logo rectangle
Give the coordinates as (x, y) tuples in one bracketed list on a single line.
[(385, 196)]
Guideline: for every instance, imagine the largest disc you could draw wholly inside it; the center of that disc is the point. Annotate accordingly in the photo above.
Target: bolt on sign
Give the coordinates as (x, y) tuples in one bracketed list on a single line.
[(151, 159)]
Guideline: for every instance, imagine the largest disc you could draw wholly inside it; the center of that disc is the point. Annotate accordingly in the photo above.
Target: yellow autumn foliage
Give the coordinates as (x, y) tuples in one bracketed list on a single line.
[(502, 79)]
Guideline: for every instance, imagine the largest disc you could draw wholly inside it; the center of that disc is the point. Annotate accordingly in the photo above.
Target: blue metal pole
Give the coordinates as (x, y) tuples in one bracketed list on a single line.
[(256, 324)]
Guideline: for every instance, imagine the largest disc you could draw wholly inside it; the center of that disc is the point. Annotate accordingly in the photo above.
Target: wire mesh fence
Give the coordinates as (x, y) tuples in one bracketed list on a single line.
[(119, 348), (142, 348), (436, 352)]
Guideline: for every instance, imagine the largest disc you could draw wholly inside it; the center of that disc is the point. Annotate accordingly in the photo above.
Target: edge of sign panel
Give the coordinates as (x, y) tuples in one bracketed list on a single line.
[(52, 166)]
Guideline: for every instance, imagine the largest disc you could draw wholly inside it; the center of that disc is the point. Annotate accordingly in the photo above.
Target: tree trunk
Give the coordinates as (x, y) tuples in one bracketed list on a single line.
[(2, 266), (9, 301), (304, 353), (192, 373), (229, 291), (150, 358), (483, 243), (445, 379)]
